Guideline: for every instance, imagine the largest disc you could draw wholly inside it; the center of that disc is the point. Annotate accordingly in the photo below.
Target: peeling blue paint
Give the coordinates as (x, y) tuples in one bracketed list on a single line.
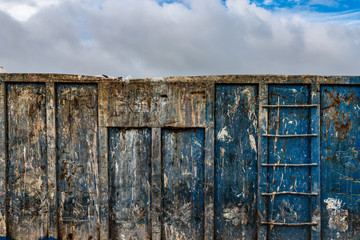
[(340, 162), (232, 157), (236, 117)]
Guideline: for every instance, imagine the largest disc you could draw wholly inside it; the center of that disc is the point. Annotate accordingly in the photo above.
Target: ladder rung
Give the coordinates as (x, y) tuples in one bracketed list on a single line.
[(290, 136), (290, 224), (289, 165), (291, 106), (73, 220), (288, 193)]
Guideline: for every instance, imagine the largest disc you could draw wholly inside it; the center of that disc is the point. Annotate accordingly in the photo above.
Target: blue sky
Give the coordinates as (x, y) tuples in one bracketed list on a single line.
[(345, 11), (324, 6), (331, 11), (151, 38)]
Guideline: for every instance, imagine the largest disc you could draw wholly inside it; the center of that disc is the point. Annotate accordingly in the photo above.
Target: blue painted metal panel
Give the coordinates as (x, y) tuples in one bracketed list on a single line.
[(129, 181), (236, 117), (287, 208), (183, 183), (340, 162), (237, 144)]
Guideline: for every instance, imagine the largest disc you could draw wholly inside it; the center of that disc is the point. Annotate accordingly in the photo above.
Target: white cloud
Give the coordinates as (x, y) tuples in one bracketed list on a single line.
[(200, 37), (328, 3), (268, 2), (22, 10)]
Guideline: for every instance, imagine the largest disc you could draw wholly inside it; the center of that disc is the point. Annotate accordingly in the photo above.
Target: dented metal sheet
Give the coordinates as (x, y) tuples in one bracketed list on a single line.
[(210, 157)]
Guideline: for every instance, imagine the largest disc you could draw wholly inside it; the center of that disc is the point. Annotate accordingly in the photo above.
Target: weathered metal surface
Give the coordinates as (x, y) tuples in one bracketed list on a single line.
[(130, 183), (156, 183), (3, 158), (289, 208), (236, 161), (340, 162), (26, 161), (145, 104), (183, 184), (210, 157), (51, 159), (77, 161)]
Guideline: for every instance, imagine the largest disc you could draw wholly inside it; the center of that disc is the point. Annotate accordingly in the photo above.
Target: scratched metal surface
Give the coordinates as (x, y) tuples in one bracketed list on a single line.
[(183, 184), (340, 162), (155, 104), (179, 158), (286, 121), (26, 165), (236, 161), (130, 178), (77, 161)]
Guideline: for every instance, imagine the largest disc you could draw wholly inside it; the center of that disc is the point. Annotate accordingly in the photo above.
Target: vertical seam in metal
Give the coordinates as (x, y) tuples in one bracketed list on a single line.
[(315, 158), (156, 184), (262, 158), (51, 159), (4, 145), (107, 203), (97, 179), (209, 168), (103, 161)]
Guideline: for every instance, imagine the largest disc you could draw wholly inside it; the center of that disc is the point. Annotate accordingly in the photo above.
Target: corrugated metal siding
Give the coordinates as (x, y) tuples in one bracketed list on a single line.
[(214, 157)]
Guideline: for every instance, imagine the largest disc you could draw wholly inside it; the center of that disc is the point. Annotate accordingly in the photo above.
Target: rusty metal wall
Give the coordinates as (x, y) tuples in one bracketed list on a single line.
[(211, 157)]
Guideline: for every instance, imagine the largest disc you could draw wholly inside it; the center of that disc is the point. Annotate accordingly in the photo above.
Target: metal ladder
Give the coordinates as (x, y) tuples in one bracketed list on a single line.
[(263, 165)]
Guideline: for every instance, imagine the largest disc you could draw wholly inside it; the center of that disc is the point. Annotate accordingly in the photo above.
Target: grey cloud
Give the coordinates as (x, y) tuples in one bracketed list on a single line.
[(142, 39)]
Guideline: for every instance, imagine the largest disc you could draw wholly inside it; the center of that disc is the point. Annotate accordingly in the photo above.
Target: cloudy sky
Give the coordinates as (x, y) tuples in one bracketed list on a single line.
[(150, 38)]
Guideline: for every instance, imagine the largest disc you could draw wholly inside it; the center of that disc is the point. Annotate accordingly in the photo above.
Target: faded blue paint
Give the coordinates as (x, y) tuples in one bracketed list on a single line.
[(196, 182), (340, 162), (27, 162), (236, 117), (77, 160), (183, 183), (296, 150), (129, 181)]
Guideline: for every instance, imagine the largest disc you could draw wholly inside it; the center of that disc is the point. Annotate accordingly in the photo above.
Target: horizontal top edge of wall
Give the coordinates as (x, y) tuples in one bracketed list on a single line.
[(217, 79)]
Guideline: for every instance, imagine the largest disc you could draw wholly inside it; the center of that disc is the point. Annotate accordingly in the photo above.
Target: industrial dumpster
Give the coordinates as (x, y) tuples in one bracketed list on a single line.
[(211, 157)]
